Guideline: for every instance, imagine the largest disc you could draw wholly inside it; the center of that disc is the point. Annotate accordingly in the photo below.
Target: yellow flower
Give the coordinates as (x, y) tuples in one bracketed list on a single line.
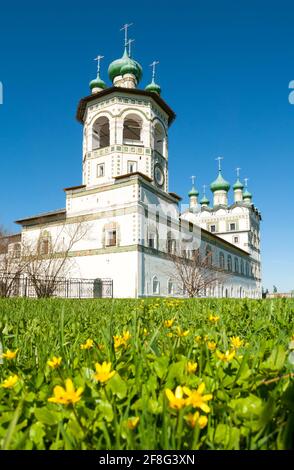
[(169, 323), (169, 335), (191, 367), (198, 339), (227, 356), (145, 332), (103, 371), (197, 399), (236, 342), (54, 362), (193, 419), (211, 345), (181, 333), (205, 338), (10, 354), (10, 382), (213, 318), (88, 344), (176, 400), (66, 396), (132, 423), (121, 340)]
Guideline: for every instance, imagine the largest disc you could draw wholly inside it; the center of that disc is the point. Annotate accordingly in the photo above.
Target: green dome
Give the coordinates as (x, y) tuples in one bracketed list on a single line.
[(204, 200), (193, 191), (125, 65), (97, 83), (247, 194), (238, 185), (153, 87), (220, 184)]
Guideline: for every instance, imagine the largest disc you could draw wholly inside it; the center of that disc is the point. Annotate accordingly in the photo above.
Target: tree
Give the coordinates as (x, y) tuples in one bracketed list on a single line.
[(48, 258), (195, 273), (12, 265), (275, 289)]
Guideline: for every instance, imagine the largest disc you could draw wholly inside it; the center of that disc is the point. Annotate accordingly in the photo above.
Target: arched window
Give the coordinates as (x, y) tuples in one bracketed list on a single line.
[(170, 243), (155, 285), (132, 130), (247, 269), (221, 260), (158, 138), (236, 265), (44, 243), (170, 287), (208, 255), (229, 263), (100, 133)]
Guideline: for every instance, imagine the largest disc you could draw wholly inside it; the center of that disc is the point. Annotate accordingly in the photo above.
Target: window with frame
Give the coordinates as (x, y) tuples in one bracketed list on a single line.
[(132, 167), (44, 246), (232, 227), (221, 260), (170, 287), (229, 263), (213, 228), (236, 239), (236, 265), (100, 170), (111, 237), (155, 285), (242, 266), (151, 240)]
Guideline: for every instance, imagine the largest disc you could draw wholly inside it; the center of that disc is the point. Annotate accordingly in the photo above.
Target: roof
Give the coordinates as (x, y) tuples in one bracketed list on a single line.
[(132, 91), (225, 242), (72, 188), (41, 216)]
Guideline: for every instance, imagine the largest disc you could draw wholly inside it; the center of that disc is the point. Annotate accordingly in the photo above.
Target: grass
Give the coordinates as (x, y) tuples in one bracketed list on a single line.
[(252, 403)]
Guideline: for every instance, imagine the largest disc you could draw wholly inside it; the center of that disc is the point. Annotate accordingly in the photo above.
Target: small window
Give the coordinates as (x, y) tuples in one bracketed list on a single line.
[(232, 227), (236, 265), (222, 260), (100, 170), (155, 285), (151, 240), (236, 239), (212, 228), (111, 238), (229, 263), (44, 247), (170, 287), (132, 167)]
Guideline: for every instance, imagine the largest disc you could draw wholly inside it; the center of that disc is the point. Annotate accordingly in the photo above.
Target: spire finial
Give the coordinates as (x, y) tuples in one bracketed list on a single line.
[(219, 163), (153, 65), (129, 44), (204, 190), (125, 28), (193, 180), (98, 58), (238, 172), (246, 182)]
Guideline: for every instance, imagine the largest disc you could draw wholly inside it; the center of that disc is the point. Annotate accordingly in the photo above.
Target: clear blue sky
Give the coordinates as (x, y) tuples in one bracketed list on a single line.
[(224, 68)]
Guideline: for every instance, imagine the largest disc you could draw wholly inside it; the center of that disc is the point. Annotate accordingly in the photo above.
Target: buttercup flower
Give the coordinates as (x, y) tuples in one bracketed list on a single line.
[(213, 318), (196, 419), (176, 400), (54, 362), (198, 339), (227, 356), (181, 333), (169, 323), (236, 342), (132, 423), (10, 382), (211, 345), (121, 340), (191, 367), (103, 372), (66, 396), (197, 399), (88, 344), (10, 354)]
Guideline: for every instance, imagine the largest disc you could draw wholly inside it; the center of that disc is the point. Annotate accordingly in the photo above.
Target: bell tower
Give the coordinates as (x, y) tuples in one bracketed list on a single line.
[(125, 128)]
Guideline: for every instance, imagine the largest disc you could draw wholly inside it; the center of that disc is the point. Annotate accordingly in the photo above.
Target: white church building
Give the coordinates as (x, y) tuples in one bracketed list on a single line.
[(132, 219)]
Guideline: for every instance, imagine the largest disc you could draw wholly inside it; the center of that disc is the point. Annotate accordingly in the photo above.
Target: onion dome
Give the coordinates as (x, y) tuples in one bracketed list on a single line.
[(193, 192), (153, 87), (238, 185), (125, 65), (220, 184), (247, 195), (204, 201), (97, 83)]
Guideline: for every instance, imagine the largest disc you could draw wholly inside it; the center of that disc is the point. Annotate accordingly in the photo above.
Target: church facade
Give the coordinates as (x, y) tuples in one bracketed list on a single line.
[(131, 221)]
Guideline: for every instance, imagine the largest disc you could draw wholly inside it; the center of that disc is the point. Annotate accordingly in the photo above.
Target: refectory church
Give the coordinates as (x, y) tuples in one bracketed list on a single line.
[(133, 221)]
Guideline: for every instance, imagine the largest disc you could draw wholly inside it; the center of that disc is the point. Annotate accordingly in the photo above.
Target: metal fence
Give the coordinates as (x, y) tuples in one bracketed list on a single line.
[(25, 286)]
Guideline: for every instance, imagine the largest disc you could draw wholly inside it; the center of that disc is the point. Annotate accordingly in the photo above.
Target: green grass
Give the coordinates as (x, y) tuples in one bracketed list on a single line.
[(252, 405)]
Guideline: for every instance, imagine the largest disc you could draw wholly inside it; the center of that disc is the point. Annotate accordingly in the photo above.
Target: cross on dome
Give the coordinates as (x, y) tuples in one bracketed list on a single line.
[(125, 29)]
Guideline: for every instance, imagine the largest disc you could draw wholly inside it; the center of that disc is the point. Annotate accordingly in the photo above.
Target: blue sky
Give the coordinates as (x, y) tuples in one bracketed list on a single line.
[(225, 67)]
